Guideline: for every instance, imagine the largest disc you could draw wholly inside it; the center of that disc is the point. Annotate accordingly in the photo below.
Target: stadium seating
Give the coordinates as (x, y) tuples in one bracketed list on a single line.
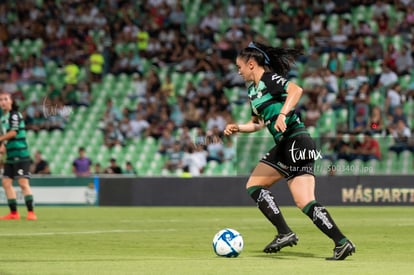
[(60, 148)]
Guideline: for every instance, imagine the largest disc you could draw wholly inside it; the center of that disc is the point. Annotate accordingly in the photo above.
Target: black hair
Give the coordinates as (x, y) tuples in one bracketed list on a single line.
[(14, 106), (274, 59)]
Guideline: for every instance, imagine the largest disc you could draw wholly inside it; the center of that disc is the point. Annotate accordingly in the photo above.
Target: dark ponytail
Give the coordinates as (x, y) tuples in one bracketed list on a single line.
[(14, 106), (278, 60)]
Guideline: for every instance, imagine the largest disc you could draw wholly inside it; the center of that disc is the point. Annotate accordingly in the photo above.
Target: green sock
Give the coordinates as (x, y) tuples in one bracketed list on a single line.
[(29, 202), (12, 205), (251, 189), (341, 242)]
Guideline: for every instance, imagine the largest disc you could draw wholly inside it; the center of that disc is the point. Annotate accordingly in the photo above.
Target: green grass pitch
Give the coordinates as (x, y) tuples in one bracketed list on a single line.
[(177, 240)]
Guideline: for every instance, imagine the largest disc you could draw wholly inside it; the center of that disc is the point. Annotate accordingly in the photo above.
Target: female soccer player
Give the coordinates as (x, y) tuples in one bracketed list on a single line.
[(17, 163), (273, 99)]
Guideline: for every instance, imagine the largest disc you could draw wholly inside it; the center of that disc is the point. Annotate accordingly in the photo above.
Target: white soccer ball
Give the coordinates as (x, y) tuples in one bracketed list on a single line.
[(228, 243)]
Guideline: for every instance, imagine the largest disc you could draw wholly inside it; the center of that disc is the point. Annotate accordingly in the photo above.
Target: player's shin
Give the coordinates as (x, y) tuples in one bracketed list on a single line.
[(267, 204), (323, 220)]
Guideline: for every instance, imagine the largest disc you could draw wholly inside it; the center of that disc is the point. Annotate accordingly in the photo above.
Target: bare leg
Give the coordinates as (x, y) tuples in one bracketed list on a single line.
[(8, 188), (25, 186), (302, 189)]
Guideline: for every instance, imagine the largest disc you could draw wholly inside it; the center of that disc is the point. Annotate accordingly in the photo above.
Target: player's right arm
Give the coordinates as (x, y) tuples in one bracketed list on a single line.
[(255, 124)]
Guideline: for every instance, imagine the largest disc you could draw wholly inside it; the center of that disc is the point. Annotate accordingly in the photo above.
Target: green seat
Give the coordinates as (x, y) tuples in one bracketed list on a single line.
[(25, 88), (146, 65), (276, 42), (358, 15), (66, 170), (192, 17), (244, 166), (324, 58), (404, 81), (50, 67), (341, 115), (178, 80), (314, 132), (397, 41), (121, 47), (156, 166), (224, 24), (408, 108), (326, 122), (407, 161), (377, 63), (392, 163), (368, 12), (210, 168), (368, 40), (257, 23), (14, 47), (228, 168), (35, 47), (342, 167), (333, 21), (15, 43), (324, 168), (373, 25), (376, 99), (142, 167), (82, 74)]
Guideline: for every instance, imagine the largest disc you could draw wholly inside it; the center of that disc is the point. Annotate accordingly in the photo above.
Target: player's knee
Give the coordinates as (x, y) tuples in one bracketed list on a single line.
[(24, 184), (24, 187), (250, 184), (263, 182), (301, 203), (6, 184)]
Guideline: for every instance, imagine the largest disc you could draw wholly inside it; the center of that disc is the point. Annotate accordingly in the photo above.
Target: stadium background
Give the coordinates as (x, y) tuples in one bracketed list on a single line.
[(73, 30)]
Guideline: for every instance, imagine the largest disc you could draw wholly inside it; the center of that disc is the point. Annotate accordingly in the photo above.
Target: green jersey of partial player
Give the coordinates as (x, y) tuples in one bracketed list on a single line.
[(16, 148), (267, 99)]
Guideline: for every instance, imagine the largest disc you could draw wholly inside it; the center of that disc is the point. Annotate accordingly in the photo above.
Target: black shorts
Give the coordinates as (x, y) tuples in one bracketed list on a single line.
[(294, 156), (17, 170)]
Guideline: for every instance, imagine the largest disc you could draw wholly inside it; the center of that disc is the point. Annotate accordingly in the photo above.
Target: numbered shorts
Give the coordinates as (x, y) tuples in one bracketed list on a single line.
[(17, 170), (293, 157)]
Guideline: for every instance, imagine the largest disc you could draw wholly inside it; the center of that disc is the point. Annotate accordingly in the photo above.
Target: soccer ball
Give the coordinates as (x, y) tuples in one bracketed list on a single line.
[(228, 243)]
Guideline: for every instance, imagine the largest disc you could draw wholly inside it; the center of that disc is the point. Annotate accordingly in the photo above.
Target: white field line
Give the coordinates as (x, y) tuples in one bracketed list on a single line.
[(84, 232)]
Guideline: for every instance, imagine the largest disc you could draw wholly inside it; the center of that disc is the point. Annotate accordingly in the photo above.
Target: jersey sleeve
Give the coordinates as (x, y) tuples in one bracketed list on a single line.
[(276, 85), (14, 121)]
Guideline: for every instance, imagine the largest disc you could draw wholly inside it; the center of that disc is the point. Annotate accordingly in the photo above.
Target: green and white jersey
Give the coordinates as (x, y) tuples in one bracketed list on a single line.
[(267, 100), (16, 148)]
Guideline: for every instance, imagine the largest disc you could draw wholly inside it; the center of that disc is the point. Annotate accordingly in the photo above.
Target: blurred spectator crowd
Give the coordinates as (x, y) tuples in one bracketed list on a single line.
[(356, 69)]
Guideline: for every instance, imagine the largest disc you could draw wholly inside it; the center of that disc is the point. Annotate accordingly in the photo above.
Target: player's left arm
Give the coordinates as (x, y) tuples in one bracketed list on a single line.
[(294, 92), (14, 122), (255, 124), (9, 135)]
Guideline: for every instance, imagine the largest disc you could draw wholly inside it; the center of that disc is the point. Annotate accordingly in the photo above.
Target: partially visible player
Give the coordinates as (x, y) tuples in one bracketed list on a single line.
[(17, 163)]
